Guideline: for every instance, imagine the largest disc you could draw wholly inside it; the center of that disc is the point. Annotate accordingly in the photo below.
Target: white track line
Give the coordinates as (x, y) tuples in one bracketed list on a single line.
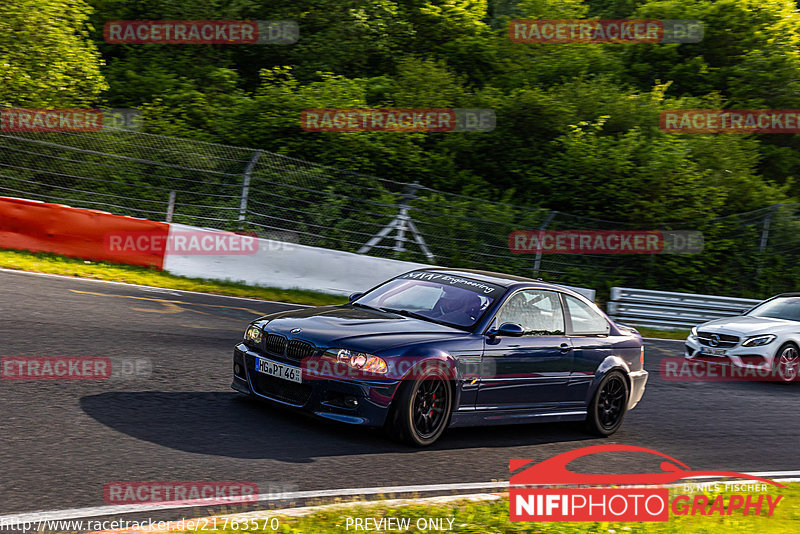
[(99, 511), (150, 288)]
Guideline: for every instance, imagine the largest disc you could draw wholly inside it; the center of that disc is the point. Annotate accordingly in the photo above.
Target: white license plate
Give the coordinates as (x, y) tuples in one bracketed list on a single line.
[(712, 351), (279, 370)]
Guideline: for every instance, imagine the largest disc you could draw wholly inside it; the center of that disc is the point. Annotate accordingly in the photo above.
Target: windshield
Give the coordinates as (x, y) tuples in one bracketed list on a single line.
[(436, 297), (779, 308)]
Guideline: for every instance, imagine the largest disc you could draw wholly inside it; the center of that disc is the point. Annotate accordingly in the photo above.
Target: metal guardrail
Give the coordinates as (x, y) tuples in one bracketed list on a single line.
[(667, 310)]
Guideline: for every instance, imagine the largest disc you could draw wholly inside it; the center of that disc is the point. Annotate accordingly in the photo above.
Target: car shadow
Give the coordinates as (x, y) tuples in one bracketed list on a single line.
[(228, 424)]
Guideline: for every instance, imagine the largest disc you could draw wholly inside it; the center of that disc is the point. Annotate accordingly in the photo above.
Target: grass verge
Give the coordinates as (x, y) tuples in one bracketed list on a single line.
[(662, 334), (492, 517), (114, 272)]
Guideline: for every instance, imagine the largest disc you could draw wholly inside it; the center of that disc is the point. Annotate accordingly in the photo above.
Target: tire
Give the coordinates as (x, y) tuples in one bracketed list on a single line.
[(609, 405), (786, 363), (421, 410)]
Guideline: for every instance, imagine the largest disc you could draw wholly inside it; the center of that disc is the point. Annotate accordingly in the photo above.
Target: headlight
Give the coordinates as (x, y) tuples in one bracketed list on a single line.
[(359, 360), (758, 341), (253, 334), (694, 331)]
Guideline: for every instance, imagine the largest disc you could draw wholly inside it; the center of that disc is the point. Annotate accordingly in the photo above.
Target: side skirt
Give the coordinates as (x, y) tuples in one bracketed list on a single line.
[(474, 417)]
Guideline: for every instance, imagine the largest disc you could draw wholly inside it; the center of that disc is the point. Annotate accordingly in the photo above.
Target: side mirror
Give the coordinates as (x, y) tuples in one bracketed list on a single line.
[(508, 330), (355, 296)]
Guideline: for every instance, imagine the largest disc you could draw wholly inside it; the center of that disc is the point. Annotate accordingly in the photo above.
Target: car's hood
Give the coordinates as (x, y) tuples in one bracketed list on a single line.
[(744, 325), (357, 328)]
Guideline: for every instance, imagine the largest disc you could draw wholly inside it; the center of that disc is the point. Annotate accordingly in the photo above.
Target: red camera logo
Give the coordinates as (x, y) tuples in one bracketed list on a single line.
[(637, 500)]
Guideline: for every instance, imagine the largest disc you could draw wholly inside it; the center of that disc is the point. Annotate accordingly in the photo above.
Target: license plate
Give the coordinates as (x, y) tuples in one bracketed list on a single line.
[(279, 370), (712, 352)]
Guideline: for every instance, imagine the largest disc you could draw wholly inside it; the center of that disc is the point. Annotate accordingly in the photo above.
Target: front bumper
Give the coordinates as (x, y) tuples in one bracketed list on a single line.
[(347, 400), (752, 358), (638, 382)]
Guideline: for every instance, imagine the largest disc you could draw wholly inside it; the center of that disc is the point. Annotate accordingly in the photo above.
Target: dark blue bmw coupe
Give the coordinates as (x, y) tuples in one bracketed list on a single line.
[(435, 348)]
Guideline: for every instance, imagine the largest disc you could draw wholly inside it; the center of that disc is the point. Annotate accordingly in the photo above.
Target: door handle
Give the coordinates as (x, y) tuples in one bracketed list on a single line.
[(565, 347)]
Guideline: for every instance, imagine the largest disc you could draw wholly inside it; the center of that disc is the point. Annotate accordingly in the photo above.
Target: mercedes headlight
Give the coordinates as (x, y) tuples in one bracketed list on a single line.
[(694, 331), (253, 334), (758, 341), (359, 360)]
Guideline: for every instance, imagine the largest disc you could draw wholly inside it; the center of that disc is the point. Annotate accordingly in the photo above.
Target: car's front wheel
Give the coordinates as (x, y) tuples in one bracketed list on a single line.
[(608, 406), (787, 363), (421, 409)]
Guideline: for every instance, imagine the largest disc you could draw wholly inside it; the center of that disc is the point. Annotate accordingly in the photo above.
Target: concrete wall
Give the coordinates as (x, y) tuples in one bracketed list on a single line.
[(91, 234), (292, 266), (289, 266)]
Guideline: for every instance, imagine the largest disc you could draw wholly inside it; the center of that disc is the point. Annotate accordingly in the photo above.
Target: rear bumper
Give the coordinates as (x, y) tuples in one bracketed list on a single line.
[(638, 383), (345, 400)]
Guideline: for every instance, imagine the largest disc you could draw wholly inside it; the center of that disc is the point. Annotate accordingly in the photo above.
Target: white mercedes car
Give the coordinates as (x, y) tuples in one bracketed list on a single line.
[(766, 338)]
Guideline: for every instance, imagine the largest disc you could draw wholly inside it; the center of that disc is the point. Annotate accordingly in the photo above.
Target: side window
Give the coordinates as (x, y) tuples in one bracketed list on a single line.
[(585, 319), (537, 312)]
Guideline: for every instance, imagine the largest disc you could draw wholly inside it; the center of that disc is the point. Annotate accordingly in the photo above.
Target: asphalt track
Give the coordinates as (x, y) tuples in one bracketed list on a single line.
[(62, 441)]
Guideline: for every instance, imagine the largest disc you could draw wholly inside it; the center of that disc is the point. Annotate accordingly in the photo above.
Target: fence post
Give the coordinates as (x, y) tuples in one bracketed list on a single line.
[(170, 206), (762, 246), (246, 187), (538, 262)]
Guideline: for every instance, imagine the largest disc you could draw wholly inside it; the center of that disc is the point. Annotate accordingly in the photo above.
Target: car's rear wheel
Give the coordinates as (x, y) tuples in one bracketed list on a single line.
[(421, 410), (787, 363), (608, 406)]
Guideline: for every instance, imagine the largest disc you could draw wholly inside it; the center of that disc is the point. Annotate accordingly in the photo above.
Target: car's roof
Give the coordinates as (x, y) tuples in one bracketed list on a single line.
[(793, 294), (500, 279)]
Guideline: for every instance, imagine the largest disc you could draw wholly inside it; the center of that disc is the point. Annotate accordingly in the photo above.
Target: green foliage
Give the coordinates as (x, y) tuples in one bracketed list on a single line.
[(577, 124), (46, 59)]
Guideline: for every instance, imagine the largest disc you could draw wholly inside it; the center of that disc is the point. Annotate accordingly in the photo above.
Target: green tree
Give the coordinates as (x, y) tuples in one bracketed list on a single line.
[(46, 57)]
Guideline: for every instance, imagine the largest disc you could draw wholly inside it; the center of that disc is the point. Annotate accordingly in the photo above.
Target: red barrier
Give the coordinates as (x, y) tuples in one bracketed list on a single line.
[(80, 233)]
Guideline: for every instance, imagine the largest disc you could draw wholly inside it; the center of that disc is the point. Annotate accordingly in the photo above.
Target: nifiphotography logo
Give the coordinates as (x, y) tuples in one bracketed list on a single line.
[(629, 497)]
